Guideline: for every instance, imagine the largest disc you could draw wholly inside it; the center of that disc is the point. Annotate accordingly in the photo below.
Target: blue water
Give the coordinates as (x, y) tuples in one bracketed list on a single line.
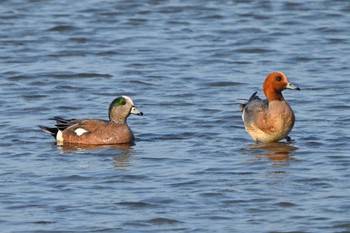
[(187, 65)]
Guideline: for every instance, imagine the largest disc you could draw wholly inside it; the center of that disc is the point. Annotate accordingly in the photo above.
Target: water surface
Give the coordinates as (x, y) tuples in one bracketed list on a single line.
[(186, 64)]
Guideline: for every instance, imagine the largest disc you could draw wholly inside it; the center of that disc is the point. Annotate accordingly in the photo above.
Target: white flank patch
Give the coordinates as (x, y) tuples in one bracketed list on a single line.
[(80, 131), (59, 136)]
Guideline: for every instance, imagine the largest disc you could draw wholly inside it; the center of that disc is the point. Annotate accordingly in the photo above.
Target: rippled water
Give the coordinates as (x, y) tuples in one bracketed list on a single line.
[(186, 64)]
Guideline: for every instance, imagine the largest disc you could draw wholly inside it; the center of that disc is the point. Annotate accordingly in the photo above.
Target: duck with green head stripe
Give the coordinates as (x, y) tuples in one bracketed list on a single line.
[(95, 131)]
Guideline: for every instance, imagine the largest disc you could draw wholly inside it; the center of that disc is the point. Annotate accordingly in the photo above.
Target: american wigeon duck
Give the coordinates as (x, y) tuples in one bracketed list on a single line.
[(272, 119), (95, 131)]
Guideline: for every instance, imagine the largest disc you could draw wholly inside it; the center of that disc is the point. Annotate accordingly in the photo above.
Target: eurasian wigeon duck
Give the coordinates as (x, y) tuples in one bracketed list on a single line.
[(272, 119), (95, 131)]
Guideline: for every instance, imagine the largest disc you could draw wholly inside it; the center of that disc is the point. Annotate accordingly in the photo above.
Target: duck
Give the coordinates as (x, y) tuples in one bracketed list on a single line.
[(97, 131), (272, 119)]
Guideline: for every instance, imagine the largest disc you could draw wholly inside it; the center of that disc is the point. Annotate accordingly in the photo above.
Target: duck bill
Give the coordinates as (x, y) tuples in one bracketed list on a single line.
[(292, 87), (135, 111)]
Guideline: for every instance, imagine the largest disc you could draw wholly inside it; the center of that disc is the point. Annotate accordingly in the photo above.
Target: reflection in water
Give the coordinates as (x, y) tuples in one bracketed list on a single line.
[(121, 158), (276, 151), (122, 161), (82, 147)]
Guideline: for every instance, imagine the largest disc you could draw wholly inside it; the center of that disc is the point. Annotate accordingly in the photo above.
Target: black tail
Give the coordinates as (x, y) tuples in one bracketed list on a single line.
[(252, 97), (62, 123), (52, 131)]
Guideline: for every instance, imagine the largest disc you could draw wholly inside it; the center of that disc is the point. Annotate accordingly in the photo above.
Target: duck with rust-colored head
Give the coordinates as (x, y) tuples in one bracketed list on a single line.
[(270, 120), (95, 131)]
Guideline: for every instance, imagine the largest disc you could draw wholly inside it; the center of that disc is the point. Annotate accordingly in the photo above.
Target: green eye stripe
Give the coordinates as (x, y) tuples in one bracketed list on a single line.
[(119, 101)]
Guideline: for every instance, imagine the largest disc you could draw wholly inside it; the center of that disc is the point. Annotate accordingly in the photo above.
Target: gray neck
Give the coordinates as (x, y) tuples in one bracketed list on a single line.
[(119, 121)]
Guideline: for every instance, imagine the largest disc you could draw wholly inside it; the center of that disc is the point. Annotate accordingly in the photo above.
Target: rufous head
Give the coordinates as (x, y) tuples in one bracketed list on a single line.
[(275, 83)]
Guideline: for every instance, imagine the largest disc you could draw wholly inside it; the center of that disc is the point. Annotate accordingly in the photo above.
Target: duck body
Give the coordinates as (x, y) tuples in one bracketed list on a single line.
[(268, 121), (92, 131), (272, 119), (96, 131)]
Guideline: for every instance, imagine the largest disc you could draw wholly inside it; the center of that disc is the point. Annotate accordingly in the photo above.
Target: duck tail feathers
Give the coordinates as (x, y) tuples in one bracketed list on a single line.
[(52, 131), (252, 97)]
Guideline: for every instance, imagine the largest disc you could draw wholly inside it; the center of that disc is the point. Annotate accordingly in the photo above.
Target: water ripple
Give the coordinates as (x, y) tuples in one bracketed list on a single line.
[(187, 65)]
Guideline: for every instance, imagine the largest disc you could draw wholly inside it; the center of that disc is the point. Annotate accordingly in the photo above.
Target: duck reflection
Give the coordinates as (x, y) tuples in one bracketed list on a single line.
[(82, 147), (121, 152), (276, 151)]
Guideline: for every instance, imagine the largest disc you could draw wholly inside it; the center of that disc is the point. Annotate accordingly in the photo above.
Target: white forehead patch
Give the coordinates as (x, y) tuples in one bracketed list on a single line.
[(128, 99), (80, 131)]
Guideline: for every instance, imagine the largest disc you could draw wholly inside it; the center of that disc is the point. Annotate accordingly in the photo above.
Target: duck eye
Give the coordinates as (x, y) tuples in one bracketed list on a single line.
[(279, 79)]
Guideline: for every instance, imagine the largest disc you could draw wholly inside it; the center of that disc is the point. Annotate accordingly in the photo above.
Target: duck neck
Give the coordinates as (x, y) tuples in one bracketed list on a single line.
[(273, 94), (117, 120)]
